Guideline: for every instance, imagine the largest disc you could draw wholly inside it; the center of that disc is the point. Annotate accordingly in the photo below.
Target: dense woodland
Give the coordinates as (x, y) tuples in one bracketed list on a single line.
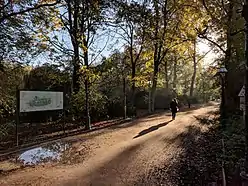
[(153, 54)]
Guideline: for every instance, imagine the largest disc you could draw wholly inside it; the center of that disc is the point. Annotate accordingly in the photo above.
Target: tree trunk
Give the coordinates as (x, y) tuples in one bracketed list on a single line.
[(87, 90), (149, 100), (125, 98), (203, 91), (133, 83), (154, 87), (156, 57), (230, 81), (76, 68), (185, 89), (87, 104), (83, 27), (175, 73), (192, 85), (133, 68), (74, 38), (166, 75), (159, 50)]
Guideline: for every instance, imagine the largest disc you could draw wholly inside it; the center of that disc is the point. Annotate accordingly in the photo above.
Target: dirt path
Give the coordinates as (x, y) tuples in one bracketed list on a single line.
[(119, 155)]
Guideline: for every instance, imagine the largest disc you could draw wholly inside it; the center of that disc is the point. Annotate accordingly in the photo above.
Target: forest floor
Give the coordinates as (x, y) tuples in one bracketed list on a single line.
[(132, 153)]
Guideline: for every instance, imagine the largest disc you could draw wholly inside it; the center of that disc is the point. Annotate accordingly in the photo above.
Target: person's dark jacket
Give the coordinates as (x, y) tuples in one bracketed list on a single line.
[(173, 106)]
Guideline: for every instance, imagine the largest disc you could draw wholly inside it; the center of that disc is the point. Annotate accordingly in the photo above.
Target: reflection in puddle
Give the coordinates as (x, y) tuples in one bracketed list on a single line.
[(48, 153)]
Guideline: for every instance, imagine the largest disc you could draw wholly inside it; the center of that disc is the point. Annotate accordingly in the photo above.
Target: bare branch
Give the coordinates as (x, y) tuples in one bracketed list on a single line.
[(7, 16), (99, 53), (204, 55), (223, 6), (237, 32), (213, 42), (202, 35), (63, 19)]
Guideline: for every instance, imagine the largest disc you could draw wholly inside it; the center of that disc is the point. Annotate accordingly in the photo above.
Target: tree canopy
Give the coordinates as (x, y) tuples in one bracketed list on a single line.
[(116, 52)]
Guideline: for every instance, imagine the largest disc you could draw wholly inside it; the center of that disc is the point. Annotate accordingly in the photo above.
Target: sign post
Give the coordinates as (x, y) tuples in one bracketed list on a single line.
[(17, 115)]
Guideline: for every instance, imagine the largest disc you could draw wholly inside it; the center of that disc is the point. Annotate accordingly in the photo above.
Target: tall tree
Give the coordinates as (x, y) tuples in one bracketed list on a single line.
[(165, 33), (82, 21), (71, 30), (131, 25), (160, 21), (194, 69), (226, 25)]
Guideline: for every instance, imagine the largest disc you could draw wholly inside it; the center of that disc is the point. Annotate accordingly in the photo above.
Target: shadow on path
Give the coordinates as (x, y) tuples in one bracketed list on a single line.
[(116, 171), (198, 162), (152, 128)]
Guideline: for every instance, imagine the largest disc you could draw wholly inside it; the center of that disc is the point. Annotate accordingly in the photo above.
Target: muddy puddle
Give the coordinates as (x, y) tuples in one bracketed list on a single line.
[(49, 153)]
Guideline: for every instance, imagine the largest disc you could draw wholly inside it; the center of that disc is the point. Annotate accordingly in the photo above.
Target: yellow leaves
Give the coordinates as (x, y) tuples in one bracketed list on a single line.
[(42, 37), (141, 80), (147, 55), (28, 69), (57, 23), (88, 73), (47, 1), (43, 46), (83, 47), (84, 69), (42, 40), (149, 65), (81, 39)]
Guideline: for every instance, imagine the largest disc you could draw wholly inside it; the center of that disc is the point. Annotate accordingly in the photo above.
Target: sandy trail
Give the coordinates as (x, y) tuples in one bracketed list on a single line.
[(119, 155)]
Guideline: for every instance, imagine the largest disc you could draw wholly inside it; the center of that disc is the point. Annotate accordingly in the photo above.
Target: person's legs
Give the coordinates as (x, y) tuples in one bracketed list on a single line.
[(173, 115)]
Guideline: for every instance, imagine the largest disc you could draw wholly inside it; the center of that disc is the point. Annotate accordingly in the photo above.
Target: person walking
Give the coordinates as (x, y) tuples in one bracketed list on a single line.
[(174, 108)]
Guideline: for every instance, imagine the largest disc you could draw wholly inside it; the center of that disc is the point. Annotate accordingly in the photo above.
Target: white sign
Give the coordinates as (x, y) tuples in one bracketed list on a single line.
[(242, 103), (242, 92), (31, 101)]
